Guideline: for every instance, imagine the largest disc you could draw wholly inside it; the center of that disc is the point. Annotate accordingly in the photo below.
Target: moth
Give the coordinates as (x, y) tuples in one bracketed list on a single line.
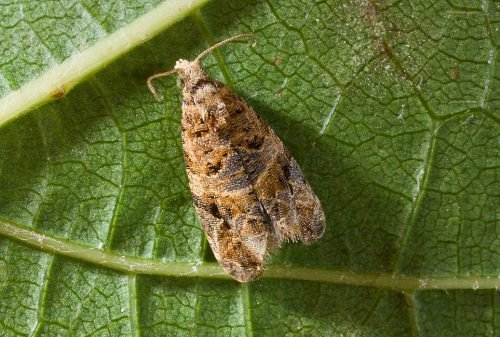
[(248, 191)]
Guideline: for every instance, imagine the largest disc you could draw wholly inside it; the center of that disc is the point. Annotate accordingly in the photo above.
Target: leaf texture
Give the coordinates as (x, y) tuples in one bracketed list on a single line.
[(390, 108)]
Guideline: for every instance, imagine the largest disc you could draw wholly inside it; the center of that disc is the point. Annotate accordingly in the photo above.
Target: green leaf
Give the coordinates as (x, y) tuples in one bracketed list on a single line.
[(390, 109)]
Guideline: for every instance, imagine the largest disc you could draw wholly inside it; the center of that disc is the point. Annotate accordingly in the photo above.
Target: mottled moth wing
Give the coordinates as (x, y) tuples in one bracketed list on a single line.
[(249, 192)]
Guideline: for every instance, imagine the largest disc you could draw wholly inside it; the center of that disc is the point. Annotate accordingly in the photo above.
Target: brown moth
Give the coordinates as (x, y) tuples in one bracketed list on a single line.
[(248, 191)]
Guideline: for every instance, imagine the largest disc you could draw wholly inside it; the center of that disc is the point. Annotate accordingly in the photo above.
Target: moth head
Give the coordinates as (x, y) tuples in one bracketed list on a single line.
[(191, 71)]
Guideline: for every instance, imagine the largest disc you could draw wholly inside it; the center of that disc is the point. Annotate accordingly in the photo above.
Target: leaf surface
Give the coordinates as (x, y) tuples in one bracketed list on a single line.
[(390, 109)]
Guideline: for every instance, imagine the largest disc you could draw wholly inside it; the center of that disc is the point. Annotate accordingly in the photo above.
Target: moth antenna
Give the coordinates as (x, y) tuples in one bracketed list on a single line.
[(196, 60), (221, 43), (152, 77)]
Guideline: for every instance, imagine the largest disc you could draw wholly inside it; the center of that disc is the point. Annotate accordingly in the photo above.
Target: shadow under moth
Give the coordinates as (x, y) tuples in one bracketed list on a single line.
[(248, 191)]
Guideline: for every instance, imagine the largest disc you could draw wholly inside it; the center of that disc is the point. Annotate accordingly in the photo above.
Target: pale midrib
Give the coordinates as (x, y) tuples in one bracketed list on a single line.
[(135, 265), (59, 80)]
